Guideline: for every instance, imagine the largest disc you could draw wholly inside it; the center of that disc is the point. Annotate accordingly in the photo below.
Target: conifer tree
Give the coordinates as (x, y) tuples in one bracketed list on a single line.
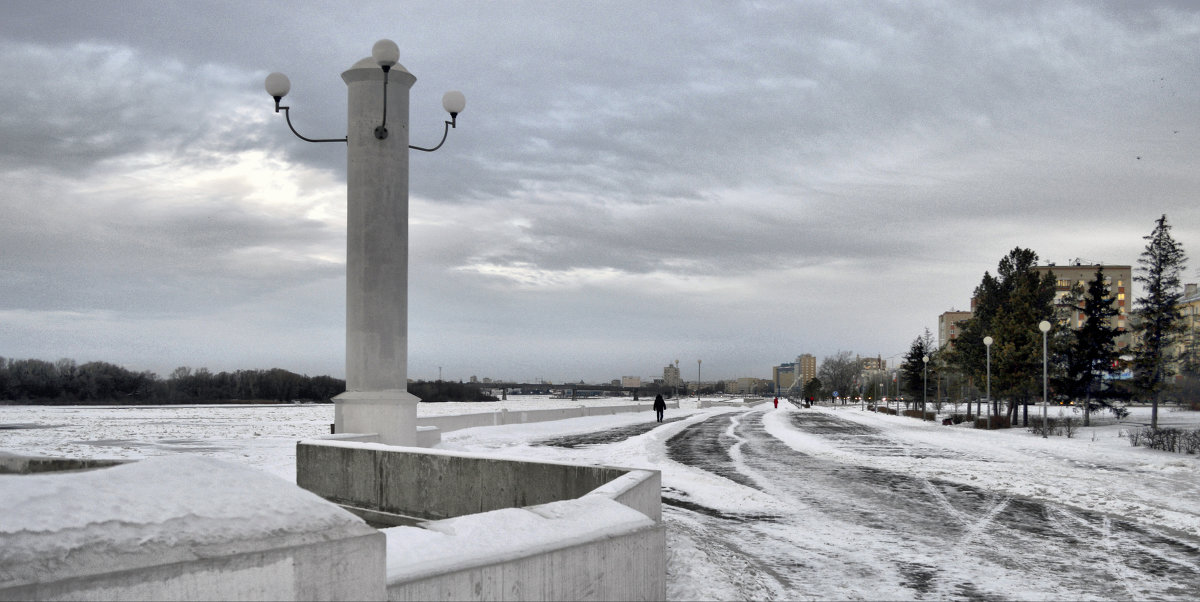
[(1094, 348), (1008, 307), (1159, 320), (913, 371)]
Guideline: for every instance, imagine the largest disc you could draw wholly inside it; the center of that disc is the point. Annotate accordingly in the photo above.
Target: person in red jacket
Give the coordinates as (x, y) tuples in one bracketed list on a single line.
[(776, 403)]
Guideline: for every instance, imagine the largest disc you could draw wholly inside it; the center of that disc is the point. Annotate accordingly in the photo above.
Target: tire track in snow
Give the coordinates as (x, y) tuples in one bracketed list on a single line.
[(922, 538)]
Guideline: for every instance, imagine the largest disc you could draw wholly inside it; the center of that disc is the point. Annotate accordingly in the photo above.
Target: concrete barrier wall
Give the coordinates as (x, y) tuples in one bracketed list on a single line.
[(446, 424), (431, 484), (638, 489), (346, 569), (625, 567), (514, 530), (181, 528)]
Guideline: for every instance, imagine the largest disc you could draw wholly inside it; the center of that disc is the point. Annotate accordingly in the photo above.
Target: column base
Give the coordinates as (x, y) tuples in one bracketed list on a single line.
[(392, 414)]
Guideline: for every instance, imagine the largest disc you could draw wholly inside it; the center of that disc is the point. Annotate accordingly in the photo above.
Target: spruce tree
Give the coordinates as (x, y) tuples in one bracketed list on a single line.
[(1008, 307), (1095, 341), (1159, 320), (913, 374)]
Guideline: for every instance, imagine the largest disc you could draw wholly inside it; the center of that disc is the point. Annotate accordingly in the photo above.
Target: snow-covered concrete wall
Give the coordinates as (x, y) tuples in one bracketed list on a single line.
[(435, 484), (508, 529), (14, 464), (180, 527), (592, 548), (446, 424)]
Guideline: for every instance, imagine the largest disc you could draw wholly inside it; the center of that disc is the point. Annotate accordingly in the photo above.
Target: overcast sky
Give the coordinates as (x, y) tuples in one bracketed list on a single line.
[(631, 182)]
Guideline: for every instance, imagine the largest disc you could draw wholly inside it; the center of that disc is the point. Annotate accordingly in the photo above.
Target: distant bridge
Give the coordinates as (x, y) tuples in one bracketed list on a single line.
[(572, 390)]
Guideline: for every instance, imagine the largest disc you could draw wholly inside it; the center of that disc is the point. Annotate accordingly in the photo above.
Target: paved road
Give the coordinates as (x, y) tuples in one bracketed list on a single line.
[(856, 531)]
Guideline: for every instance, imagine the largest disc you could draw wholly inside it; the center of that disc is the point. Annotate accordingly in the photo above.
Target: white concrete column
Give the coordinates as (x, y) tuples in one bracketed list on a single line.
[(377, 398)]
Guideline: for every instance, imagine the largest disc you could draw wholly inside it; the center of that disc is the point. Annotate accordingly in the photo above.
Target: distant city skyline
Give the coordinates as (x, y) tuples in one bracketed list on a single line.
[(630, 183)]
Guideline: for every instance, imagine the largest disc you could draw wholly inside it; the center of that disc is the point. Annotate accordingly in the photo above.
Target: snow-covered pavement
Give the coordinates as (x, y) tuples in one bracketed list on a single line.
[(783, 504)]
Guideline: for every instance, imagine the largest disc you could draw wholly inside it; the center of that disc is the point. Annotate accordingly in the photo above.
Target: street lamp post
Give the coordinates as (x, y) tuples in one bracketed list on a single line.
[(925, 385), (896, 379), (697, 380), (1044, 326), (376, 399), (987, 343)]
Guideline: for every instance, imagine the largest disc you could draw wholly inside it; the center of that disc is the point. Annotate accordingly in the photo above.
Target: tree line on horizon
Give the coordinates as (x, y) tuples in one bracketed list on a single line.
[(64, 382)]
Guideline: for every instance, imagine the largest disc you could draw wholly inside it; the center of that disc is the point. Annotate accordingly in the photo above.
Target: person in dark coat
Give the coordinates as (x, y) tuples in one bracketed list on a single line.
[(659, 406)]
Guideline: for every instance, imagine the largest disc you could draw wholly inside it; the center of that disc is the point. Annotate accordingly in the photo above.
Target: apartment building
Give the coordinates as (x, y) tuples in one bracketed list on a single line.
[(1119, 279), (949, 325), (808, 367), (1187, 349), (795, 374), (671, 376)]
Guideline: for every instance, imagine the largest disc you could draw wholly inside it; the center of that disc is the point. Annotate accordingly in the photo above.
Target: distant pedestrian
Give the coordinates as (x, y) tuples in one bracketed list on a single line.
[(659, 406), (776, 403)]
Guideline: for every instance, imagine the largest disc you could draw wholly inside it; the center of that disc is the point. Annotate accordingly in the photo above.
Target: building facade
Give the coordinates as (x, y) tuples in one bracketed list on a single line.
[(794, 375), (808, 368), (746, 386), (1119, 279), (1187, 349), (671, 376), (949, 325)]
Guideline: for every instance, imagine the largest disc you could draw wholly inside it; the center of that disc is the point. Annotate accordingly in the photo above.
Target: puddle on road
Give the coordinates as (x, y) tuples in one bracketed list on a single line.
[(713, 512), (23, 426)]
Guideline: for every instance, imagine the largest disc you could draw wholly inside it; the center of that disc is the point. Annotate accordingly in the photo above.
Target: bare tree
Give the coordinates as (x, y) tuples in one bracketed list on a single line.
[(837, 372)]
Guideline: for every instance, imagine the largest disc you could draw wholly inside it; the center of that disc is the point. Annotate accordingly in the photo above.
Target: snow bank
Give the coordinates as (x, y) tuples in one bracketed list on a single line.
[(499, 536), (152, 512)]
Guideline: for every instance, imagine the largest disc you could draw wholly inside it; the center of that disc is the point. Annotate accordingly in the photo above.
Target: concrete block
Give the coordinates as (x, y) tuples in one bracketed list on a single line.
[(182, 528)]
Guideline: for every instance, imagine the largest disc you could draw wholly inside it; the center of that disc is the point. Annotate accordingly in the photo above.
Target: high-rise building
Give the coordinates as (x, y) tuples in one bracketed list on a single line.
[(784, 376), (794, 375), (949, 325), (671, 376), (1119, 281), (1187, 348), (808, 368)]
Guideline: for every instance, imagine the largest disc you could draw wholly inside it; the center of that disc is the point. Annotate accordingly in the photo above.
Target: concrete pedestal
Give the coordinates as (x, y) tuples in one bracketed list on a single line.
[(392, 414)]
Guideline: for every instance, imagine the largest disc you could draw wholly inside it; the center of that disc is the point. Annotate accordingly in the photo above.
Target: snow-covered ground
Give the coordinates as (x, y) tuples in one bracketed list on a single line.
[(748, 515)]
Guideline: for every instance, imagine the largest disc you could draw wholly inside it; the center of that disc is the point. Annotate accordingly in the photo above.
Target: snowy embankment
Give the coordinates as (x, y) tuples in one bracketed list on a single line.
[(1096, 470), (262, 436)]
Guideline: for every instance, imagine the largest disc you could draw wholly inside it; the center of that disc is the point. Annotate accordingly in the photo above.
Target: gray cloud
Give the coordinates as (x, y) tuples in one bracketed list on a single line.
[(630, 182)]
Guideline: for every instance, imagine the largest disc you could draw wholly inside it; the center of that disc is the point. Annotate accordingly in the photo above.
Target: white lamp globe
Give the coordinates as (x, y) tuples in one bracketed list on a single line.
[(386, 53), (277, 85), (454, 102), (988, 341), (1044, 326)]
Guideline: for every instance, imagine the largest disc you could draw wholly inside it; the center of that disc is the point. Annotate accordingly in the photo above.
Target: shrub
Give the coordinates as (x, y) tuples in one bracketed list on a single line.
[(1058, 426), (998, 422), (1169, 440)]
